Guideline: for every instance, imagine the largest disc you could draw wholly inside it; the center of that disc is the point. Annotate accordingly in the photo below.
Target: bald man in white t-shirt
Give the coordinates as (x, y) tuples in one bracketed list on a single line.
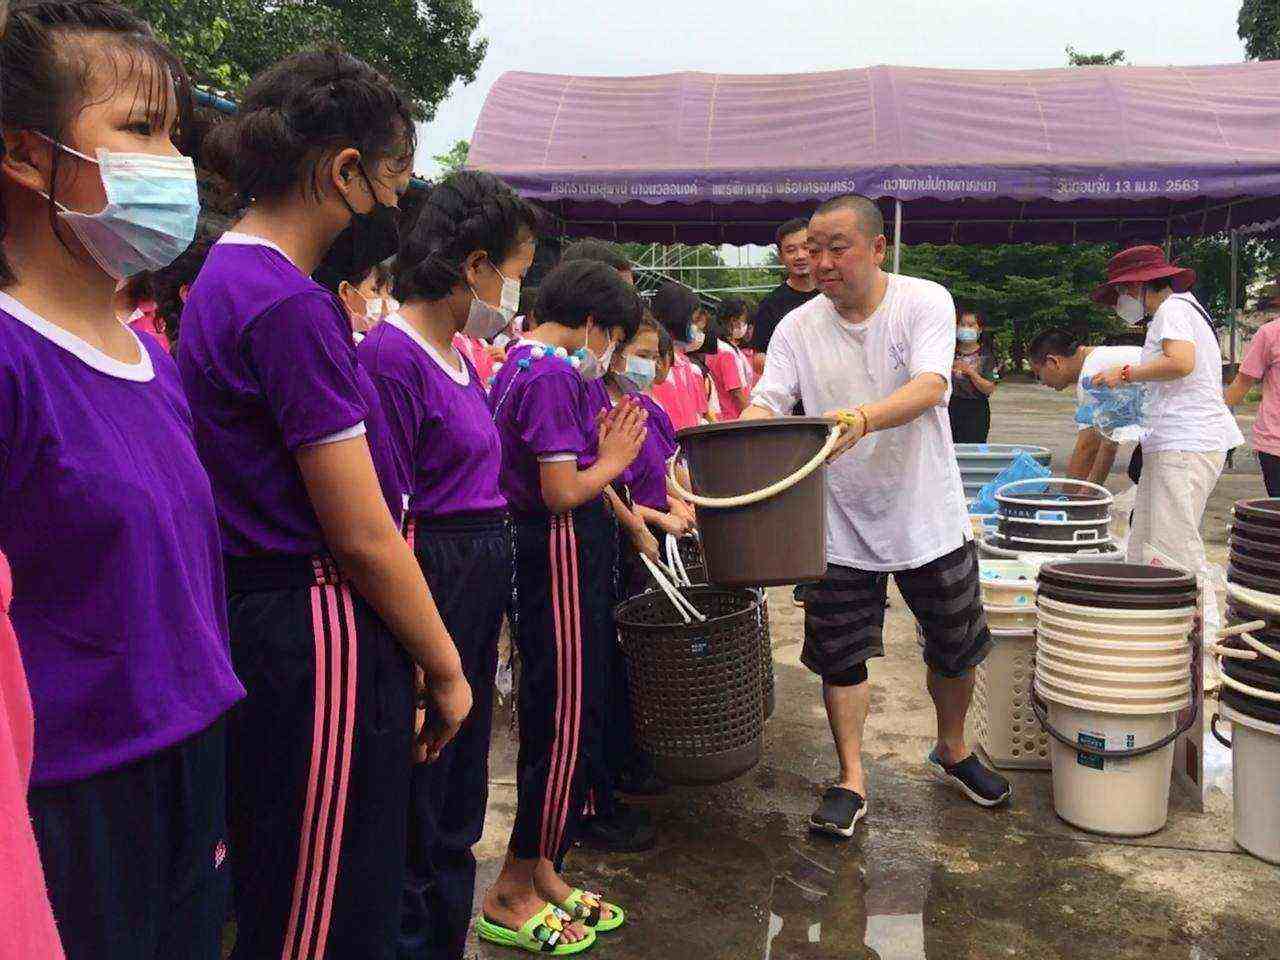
[(882, 346)]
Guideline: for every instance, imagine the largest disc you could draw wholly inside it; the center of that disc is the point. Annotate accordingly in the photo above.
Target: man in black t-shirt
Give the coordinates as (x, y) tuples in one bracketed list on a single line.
[(798, 287)]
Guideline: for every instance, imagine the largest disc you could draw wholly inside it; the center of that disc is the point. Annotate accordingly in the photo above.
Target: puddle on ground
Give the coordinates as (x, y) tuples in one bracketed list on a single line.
[(733, 885)]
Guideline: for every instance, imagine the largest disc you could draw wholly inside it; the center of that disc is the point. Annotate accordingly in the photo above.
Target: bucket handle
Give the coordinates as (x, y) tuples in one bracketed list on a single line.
[(682, 604), (1042, 714), (1260, 650), (746, 499), (1213, 728), (675, 563)]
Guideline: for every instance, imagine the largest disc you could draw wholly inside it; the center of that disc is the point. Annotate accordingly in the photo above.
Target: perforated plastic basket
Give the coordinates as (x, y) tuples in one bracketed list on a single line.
[(1008, 733)]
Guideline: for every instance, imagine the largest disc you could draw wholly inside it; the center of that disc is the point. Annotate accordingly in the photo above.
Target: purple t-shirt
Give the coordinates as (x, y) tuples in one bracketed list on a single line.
[(269, 365), (108, 522), (445, 444), (647, 475), (538, 406)]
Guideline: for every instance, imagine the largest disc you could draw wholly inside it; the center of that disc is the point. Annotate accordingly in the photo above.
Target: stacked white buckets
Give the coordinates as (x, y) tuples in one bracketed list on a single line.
[(1112, 674), (1248, 655), (1006, 728)]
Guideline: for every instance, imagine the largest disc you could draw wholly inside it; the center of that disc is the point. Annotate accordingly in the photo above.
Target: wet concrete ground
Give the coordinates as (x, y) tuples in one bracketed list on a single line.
[(736, 874)]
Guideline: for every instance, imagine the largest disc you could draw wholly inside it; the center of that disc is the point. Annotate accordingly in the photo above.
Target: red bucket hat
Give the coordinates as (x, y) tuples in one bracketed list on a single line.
[(1138, 264)]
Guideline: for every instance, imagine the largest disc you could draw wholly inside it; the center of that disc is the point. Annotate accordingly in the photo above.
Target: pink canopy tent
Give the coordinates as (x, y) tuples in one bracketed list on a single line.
[(960, 156)]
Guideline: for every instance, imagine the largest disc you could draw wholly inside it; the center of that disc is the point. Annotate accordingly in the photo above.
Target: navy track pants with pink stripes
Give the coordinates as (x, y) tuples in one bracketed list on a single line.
[(563, 629), (318, 765)]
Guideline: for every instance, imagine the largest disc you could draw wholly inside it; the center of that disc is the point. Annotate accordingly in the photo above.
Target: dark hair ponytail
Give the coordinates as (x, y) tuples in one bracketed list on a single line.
[(469, 211), (46, 67), (306, 107)]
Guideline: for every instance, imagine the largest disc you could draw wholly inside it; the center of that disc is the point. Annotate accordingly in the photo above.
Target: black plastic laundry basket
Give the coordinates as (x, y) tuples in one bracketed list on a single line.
[(697, 689)]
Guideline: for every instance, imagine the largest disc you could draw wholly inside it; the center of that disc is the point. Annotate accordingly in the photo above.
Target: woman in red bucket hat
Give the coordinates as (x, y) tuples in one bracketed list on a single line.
[(1189, 428)]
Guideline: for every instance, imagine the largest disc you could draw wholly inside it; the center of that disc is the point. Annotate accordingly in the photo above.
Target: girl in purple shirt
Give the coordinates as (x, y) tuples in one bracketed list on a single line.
[(459, 270), (105, 513), (566, 549), (328, 606)]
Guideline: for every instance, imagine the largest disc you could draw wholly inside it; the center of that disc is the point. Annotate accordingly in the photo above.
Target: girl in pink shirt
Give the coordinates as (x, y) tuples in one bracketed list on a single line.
[(29, 930), (1262, 366)]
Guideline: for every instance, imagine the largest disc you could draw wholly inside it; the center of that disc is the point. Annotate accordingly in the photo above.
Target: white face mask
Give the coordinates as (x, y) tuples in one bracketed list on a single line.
[(589, 365), (1130, 309), (151, 212), (509, 299), (373, 308)]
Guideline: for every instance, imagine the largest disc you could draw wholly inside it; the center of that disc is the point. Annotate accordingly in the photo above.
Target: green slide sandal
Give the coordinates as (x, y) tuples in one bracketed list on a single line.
[(543, 934), (589, 908)]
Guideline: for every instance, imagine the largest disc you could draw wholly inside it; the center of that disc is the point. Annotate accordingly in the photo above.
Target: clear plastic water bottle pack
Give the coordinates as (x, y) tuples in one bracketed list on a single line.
[(1121, 414)]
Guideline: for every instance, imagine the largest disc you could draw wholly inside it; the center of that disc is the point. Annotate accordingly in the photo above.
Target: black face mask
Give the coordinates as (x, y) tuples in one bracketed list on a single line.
[(368, 239)]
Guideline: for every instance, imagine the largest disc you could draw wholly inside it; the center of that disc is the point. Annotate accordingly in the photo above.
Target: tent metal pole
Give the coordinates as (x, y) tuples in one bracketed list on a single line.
[(1235, 292), (897, 235)]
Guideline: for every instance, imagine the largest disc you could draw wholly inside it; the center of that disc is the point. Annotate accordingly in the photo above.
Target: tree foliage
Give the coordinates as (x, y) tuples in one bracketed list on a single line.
[(455, 158), (423, 45), (1259, 28), (1077, 59)]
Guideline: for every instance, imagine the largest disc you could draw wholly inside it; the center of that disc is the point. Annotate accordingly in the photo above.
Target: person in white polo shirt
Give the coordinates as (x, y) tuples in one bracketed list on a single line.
[(1061, 361), (1191, 429), (882, 345)]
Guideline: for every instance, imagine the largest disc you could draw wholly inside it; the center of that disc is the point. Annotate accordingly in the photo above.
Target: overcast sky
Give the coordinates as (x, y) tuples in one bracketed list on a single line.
[(625, 37)]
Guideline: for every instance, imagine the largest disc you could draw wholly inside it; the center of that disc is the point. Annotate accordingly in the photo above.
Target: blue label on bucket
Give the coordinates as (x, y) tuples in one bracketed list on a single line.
[(1097, 743), (700, 648)]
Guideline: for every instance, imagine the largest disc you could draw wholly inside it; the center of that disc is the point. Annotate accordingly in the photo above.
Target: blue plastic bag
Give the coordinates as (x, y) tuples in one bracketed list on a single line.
[(1119, 414), (1024, 467)]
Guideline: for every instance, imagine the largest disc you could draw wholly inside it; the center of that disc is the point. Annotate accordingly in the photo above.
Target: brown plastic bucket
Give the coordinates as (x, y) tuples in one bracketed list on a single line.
[(780, 540), (1264, 512)]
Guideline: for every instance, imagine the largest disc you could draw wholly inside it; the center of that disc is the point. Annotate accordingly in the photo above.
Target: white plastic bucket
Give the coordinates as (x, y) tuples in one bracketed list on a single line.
[(1120, 798), (1117, 615), (1051, 691), (1118, 660), (1008, 583), (1255, 778), (1105, 677), (1110, 689), (1114, 646), (1139, 631)]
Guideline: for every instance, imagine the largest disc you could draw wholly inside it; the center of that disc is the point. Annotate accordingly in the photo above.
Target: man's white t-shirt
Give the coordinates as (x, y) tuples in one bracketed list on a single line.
[(1188, 414), (895, 501), (1099, 360)]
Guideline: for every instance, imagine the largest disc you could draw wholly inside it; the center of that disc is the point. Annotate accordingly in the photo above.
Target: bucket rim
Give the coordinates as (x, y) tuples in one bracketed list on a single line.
[(1034, 500), (1230, 713), (1175, 632), (1147, 646), (998, 449), (749, 607), (1119, 577), (1125, 707), (770, 423), (1155, 691), (1036, 521), (1022, 609), (1154, 678), (1011, 633), (1175, 658), (1110, 613), (1265, 510), (997, 565), (1109, 549)]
